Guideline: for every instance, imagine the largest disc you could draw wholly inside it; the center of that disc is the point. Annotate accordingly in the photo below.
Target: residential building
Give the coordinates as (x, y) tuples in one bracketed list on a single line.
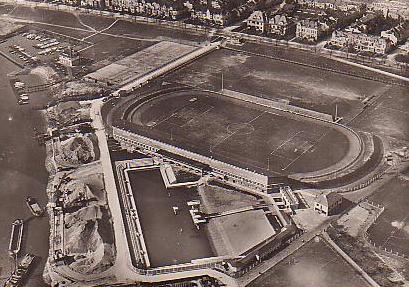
[(397, 35), (405, 48), (396, 9), (72, 2), (311, 30), (355, 40), (357, 37), (322, 4), (328, 204), (257, 21), (97, 4), (281, 25), (217, 16), (342, 5), (172, 10)]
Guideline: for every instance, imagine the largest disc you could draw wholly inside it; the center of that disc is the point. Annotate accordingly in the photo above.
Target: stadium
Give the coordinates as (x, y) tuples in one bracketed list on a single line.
[(251, 144), (238, 138)]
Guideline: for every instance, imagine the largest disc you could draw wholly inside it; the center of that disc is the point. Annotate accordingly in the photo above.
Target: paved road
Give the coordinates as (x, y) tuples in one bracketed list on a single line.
[(350, 261)]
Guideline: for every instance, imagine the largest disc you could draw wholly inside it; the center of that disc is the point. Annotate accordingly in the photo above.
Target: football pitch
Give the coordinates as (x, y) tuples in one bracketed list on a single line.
[(239, 132)]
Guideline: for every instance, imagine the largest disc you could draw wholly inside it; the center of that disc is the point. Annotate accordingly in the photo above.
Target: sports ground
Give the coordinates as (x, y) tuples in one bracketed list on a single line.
[(315, 264), (391, 229), (240, 133)]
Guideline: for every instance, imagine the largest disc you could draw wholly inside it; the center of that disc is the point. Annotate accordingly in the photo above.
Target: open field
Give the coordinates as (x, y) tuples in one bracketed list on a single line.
[(315, 264), (140, 62), (389, 116), (156, 32), (302, 86), (244, 134), (391, 229), (170, 239), (46, 16), (96, 22), (310, 58)]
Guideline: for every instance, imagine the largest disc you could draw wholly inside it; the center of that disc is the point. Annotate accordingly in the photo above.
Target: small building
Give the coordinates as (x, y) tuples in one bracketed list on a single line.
[(69, 58), (328, 203)]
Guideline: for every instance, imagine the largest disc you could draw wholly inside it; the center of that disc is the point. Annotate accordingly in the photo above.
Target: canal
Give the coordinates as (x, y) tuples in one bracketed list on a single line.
[(22, 174)]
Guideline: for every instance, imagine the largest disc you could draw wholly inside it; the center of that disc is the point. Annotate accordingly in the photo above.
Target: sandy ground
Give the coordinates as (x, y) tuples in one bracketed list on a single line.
[(7, 27), (354, 220), (315, 264)]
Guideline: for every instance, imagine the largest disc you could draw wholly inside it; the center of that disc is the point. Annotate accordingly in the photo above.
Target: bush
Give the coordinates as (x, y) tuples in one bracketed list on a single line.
[(402, 58)]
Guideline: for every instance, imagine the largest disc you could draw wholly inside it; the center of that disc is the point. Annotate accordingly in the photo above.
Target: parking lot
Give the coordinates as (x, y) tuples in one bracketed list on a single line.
[(35, 46)]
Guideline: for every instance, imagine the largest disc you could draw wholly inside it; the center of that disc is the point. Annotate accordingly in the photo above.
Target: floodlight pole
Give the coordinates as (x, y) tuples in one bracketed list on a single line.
[(222, 84), (336, 112)]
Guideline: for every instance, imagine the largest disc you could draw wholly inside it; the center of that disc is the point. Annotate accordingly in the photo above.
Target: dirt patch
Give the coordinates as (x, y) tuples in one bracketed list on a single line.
[(8, 27), (315, 264), (363, 256), (219, 199)]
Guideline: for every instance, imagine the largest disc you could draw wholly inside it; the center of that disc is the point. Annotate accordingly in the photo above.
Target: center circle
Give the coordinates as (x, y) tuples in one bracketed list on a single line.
[(240, 128)]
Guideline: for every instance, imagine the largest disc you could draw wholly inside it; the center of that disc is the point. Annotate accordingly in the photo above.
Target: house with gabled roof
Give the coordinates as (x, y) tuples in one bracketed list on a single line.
[(311, 29), (257, 21), (281, 25)]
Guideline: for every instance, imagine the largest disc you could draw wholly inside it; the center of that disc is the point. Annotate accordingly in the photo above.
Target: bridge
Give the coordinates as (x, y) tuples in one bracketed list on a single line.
[(235, 211)]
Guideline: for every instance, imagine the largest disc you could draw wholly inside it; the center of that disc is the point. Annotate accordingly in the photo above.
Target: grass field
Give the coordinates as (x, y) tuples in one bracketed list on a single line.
[(243, 134), (260, 76), (391, 229), (314, 265), (389, 116)]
